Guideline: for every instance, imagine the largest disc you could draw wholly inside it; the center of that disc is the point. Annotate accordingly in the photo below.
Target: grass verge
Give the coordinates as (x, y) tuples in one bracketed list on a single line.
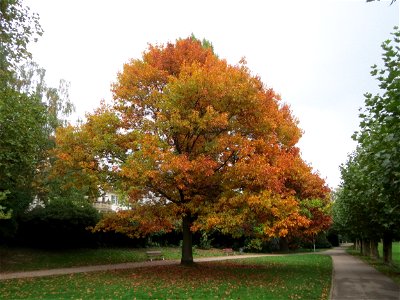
[(278, 277), (392, 271), (23, 259)]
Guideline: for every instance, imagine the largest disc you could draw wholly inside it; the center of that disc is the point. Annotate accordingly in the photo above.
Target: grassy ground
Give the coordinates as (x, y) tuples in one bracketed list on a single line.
[(279, 277), (392, 271), (22, 259), (395, 252)]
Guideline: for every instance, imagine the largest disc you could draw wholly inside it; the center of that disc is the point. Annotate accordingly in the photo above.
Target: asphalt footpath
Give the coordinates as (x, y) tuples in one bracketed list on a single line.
[(354, 279)]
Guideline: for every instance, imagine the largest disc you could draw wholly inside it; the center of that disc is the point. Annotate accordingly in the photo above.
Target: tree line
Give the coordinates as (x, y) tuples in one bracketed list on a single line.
[(367, 203)]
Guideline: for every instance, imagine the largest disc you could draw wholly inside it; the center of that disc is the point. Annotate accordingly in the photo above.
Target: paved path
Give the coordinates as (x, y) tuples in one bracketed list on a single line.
[(354, 279), (63, 271)]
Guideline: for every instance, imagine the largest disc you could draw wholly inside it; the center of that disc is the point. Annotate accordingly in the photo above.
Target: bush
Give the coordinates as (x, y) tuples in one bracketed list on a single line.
[(205, 241), (321, 241), (60, 224), (254, 245)]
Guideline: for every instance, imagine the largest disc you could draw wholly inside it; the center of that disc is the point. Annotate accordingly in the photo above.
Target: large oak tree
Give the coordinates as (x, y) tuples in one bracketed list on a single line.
[(196, 140)]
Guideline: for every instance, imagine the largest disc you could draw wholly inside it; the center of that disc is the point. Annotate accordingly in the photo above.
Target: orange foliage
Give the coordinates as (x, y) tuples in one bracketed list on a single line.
[(204, 139), (85, 155), (139, 222)]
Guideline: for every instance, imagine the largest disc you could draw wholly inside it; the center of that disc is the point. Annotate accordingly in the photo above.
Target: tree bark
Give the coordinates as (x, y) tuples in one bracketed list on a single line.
[(187, 252), (358, 245), (283, 244), (387, 248), (374, 249), (365, 247)]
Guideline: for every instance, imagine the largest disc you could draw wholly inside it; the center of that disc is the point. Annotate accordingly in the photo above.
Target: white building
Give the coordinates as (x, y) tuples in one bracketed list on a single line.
[(110, 201)]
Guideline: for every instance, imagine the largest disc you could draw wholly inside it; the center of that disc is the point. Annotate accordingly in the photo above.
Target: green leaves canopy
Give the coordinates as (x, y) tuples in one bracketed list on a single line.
[(368, 202)]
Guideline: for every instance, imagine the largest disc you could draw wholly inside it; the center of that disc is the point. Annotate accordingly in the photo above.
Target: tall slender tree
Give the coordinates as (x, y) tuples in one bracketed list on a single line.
[(29, 113), (371, 179)]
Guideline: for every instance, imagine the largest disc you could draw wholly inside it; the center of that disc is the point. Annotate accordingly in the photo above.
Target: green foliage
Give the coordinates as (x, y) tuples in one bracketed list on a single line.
[(22, 138), (367, 203), (204, 43), (380, 128), (205, 241), (31, 81), (60, 223), (78, 211), (254, 245), (321, 242), (18, 27), (30, 111), (3, 213)]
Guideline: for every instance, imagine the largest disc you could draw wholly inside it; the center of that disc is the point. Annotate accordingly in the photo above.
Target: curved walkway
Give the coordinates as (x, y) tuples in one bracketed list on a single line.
[(354, 279)]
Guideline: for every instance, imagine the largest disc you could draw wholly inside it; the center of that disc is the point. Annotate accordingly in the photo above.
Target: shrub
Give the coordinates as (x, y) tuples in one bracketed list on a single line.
[(60, 224)]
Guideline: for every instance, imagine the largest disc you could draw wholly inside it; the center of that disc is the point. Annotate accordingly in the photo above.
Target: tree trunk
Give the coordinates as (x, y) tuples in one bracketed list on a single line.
[(358, 245), (187, 253), (374, 249), (366, 247), (387, 248), (362, 247), (283, 244)]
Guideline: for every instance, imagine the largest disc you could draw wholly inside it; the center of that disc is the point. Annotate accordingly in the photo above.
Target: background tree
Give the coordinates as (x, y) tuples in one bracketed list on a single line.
[(86, 158), (356, 210), (371, 178), (22, 137), (30, 80), (29, 113), (18, 27)]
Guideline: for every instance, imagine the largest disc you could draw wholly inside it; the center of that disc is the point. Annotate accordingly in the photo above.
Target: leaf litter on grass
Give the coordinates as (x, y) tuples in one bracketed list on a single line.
[(258, 279)]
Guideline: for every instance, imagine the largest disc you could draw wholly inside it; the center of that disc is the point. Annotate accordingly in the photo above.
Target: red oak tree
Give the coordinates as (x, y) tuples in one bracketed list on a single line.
[(197, 139)]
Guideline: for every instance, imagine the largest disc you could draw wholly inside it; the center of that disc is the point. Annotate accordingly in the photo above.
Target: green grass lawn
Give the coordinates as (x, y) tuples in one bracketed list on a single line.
[(278, 277), (23, 259), (395, 252), (390, 271)]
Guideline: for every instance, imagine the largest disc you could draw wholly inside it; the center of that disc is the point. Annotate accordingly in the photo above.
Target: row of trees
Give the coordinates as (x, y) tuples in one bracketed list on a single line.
[(197, 144), (367, 204)]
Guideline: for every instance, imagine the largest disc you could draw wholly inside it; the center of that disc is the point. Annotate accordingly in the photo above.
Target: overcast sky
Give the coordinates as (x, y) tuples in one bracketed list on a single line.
[(316, 54)]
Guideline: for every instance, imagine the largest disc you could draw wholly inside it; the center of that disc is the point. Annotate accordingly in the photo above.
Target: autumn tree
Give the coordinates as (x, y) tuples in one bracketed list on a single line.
[(86, 156), (203, 140)]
